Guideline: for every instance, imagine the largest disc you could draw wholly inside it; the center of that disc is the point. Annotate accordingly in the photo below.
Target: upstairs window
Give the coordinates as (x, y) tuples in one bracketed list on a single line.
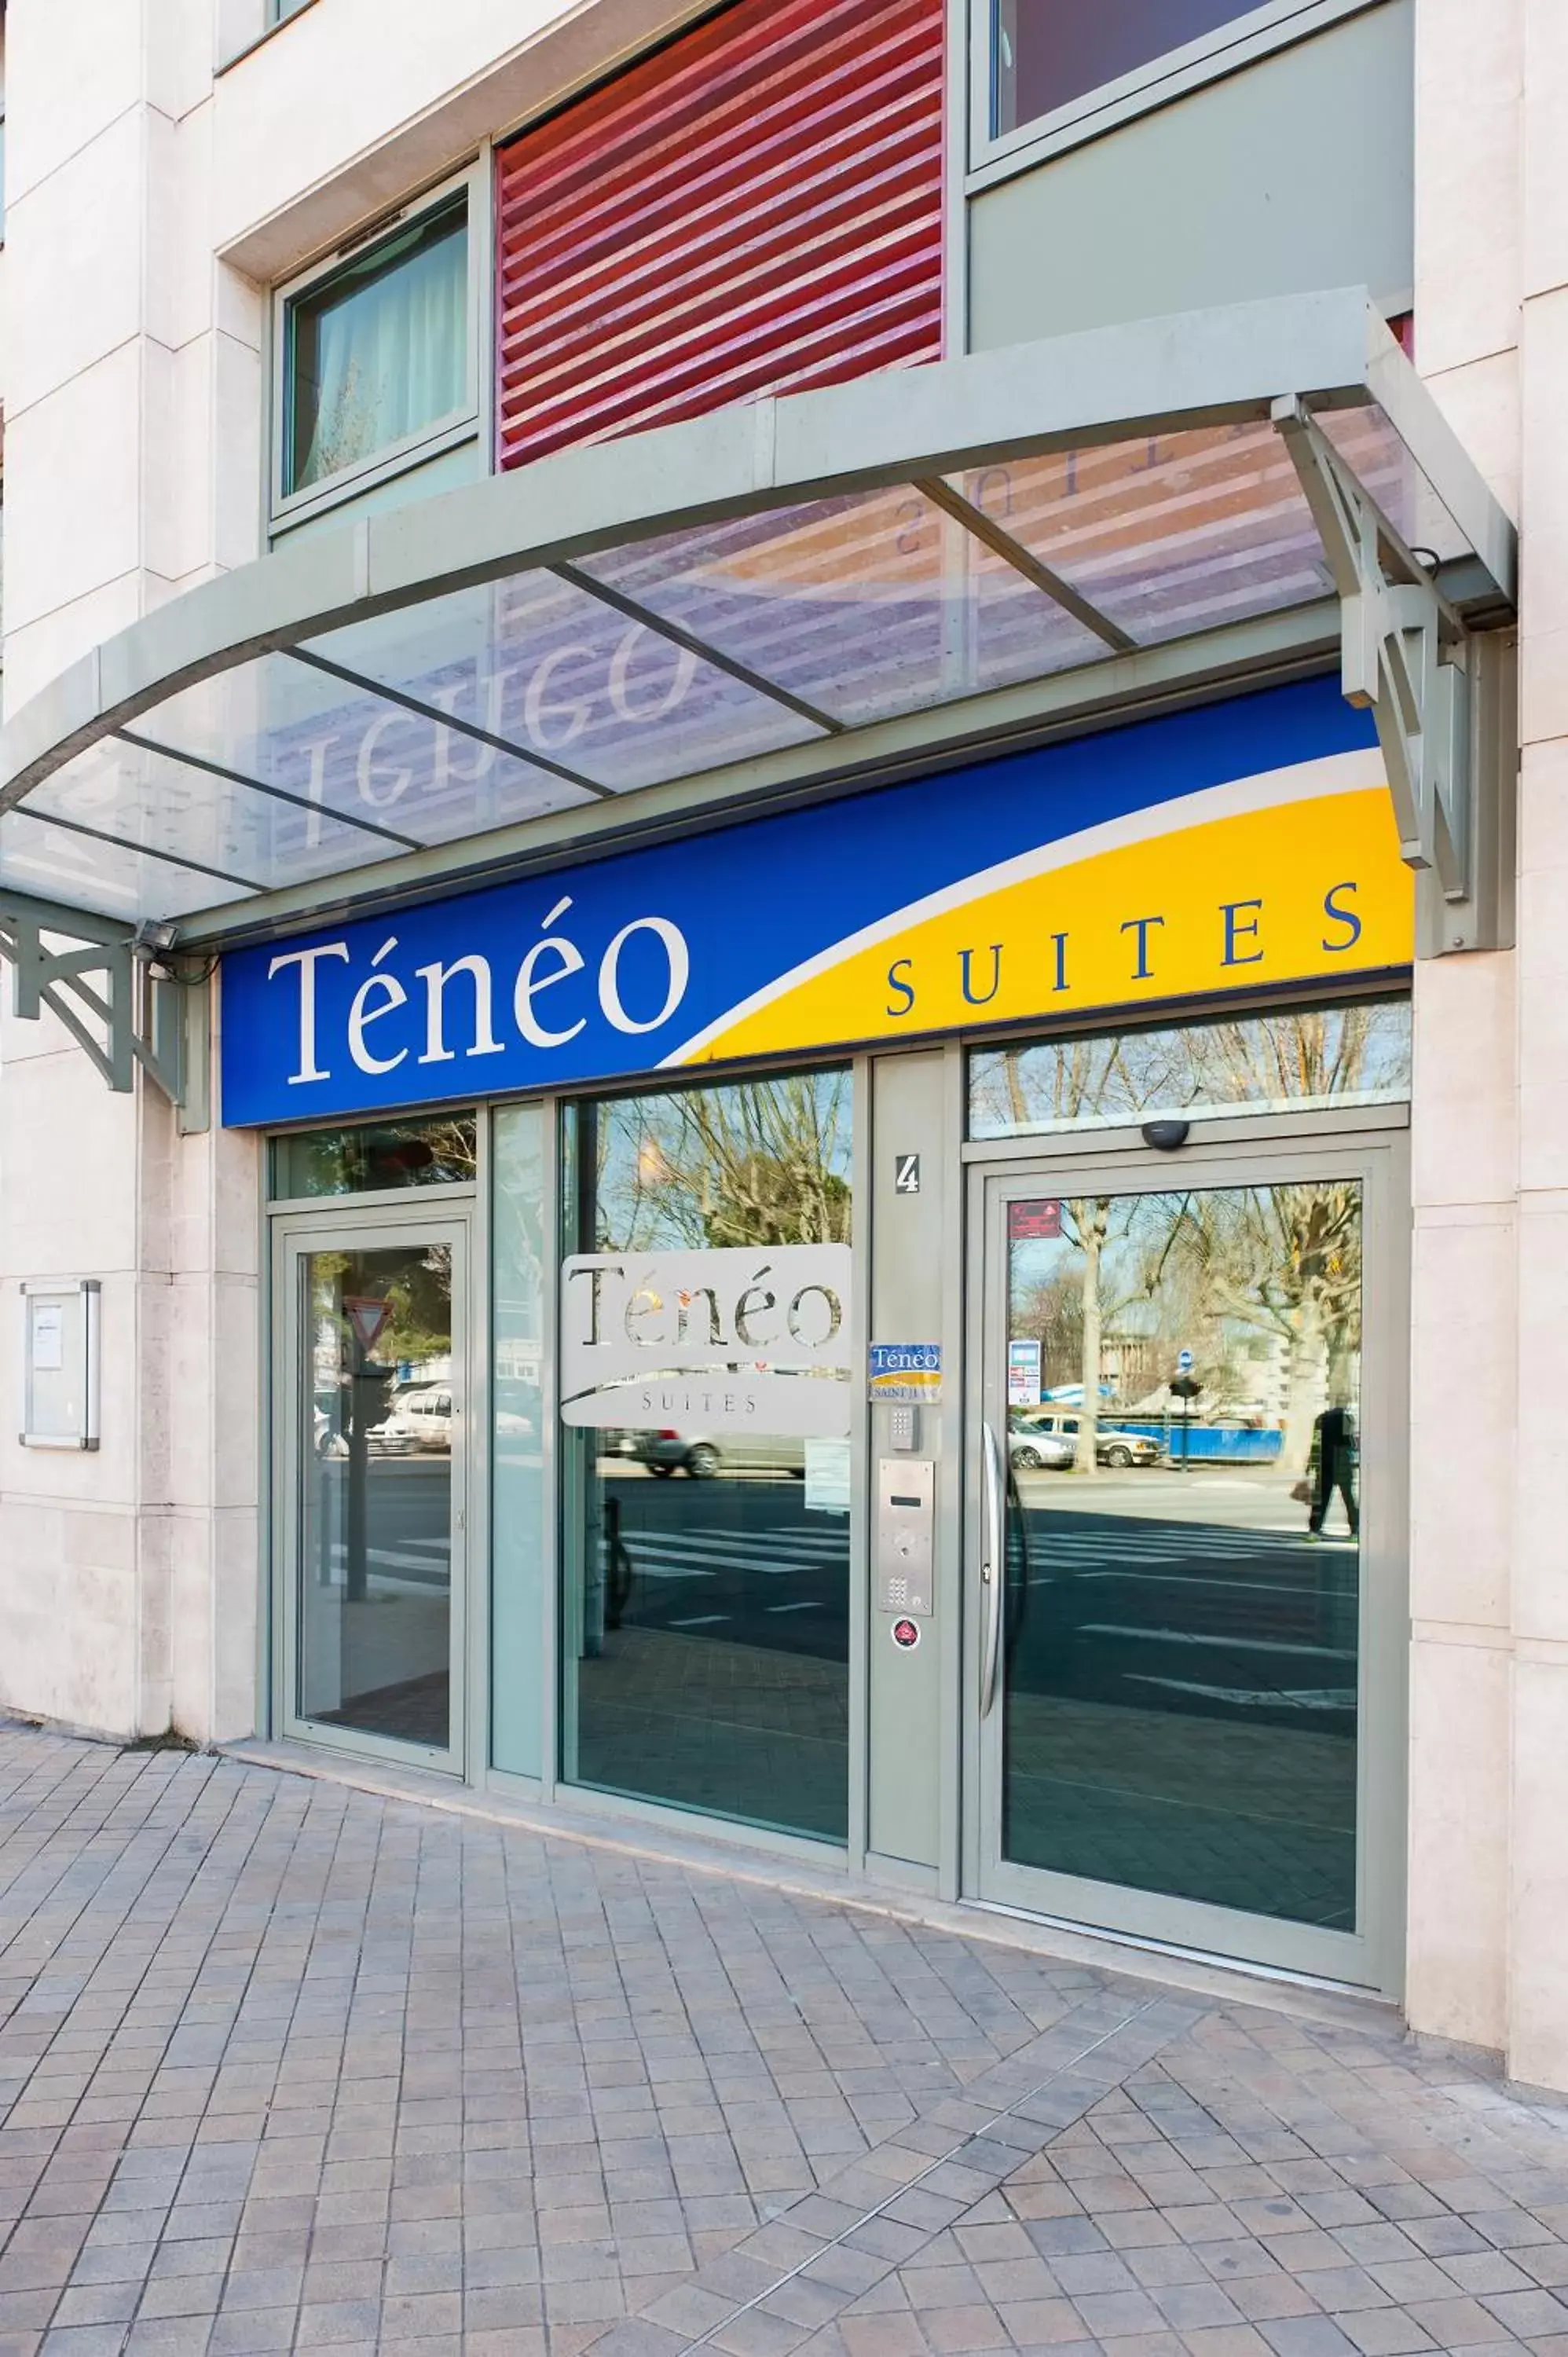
[(1062, 70), (1049, 52), (377, 354)]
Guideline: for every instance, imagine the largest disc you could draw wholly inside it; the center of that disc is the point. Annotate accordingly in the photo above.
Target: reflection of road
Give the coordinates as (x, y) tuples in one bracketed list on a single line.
[(408, 1519), (1241, 1497), (1196, 1592), (737, 1558)]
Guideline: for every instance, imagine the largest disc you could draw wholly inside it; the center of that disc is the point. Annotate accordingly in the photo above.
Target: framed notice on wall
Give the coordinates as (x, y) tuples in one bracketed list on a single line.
[(61, 1364)]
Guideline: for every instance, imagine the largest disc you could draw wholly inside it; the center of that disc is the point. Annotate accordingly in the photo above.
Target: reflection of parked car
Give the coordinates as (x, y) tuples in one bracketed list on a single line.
[(383, 1439), (423, 1418), (1112, 1446), (1036, 1452), (704, 1455), (512, 1403)]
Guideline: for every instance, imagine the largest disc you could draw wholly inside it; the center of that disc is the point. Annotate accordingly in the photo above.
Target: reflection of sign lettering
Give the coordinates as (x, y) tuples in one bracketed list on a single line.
[(543, 706), (752, 1340), (907, 1372)]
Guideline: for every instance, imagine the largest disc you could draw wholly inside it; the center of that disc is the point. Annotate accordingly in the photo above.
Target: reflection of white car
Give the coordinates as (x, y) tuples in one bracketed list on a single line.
[(1113, 1446), (702, 1457), (422, 1419), (1036, 1452), (381, 1440), (514, 1423)]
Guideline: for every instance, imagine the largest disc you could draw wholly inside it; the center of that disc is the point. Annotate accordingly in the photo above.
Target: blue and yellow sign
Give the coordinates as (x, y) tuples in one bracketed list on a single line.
[(1249, 843)]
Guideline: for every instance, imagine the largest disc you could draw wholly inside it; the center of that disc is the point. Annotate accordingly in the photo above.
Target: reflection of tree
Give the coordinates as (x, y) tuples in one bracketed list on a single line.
[(1312, 1054), (1287, 1261), (760, 1162), (1205, 1268), (419, 1304), (453, 1144), (519, 1258), (1049, 1311), (1088, 1225), (1315, 1052), (376, 1155), (344, 428), (1084, 1076)]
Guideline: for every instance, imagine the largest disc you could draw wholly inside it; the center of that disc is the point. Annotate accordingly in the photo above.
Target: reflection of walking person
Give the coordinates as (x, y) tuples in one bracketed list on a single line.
[(1332, 1465)]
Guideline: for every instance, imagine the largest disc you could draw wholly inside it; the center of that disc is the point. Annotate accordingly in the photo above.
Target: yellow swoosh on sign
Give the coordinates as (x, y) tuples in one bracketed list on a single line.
[(1296, 860)]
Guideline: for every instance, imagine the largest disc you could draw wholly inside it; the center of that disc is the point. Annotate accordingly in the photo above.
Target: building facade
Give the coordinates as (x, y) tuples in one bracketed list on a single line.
[(779, 854)]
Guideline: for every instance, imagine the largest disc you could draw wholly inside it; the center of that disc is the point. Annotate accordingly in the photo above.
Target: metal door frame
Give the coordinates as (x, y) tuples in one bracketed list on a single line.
[(1374, 1151), (353, 1226)]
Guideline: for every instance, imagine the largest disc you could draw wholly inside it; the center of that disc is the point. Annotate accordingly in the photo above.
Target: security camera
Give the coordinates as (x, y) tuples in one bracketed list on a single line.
[(1166, 1136)]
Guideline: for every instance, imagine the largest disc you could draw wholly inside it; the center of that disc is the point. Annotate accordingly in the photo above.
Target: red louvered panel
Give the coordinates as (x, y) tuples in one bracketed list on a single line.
[(755, 209)]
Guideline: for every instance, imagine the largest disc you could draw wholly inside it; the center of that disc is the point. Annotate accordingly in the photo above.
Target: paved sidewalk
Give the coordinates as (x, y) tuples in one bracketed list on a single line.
[(286, 2066)]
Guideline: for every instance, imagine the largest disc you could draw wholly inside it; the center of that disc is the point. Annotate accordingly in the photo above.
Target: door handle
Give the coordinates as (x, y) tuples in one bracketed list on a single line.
[(992, 1542)]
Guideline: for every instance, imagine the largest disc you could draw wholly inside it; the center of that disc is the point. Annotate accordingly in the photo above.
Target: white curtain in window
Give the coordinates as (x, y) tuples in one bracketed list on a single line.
[(382, 358)]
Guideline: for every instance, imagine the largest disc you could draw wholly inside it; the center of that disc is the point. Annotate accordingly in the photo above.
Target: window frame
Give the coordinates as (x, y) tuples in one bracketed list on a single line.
[(1262, 30), (244, 26), (459, 427)]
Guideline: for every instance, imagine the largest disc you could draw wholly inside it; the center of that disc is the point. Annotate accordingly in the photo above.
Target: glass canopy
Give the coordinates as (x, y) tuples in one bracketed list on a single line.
[(470, 697)]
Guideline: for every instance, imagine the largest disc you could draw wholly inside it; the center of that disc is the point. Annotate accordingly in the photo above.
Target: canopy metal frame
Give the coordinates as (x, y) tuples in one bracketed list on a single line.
[(1406, 625), (1404, 658), (125, 1007)]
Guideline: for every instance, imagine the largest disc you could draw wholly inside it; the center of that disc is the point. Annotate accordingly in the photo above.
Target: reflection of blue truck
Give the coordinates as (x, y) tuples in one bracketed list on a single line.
[(1211, 1444), (1205, 1444), (1220, 1442)]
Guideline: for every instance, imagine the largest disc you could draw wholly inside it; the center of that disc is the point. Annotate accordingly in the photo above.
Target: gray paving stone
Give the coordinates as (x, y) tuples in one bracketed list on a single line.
[(377, 2080)]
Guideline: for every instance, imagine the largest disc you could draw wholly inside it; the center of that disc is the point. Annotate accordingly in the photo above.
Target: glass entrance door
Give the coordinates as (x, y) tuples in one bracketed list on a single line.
[(374, 1410), (1185, 1584)]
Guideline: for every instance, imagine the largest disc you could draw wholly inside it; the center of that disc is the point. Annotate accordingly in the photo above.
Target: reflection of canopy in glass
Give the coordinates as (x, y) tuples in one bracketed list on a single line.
[(802, 588)]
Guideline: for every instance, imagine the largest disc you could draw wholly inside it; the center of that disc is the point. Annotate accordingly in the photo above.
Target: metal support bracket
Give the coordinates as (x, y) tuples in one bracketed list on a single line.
[(92, 977), (1408, 659)]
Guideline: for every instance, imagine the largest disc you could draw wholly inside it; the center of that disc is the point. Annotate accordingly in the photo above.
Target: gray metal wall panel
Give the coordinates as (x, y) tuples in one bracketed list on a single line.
[(1292, 175), (911, 1237)]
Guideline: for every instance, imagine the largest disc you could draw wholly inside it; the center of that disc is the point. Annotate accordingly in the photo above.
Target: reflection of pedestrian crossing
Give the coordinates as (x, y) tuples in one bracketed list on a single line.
[(816, 1563), (700, 1555), (1227, 1641), (1333, 1700), (1127, 1549), (427, 1558)]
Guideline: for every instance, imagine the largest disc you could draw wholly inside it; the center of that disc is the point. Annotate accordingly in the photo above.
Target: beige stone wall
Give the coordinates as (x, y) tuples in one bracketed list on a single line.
[(1538, 1974), (1488, 1926), (151, 199), (1465, 1162)]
